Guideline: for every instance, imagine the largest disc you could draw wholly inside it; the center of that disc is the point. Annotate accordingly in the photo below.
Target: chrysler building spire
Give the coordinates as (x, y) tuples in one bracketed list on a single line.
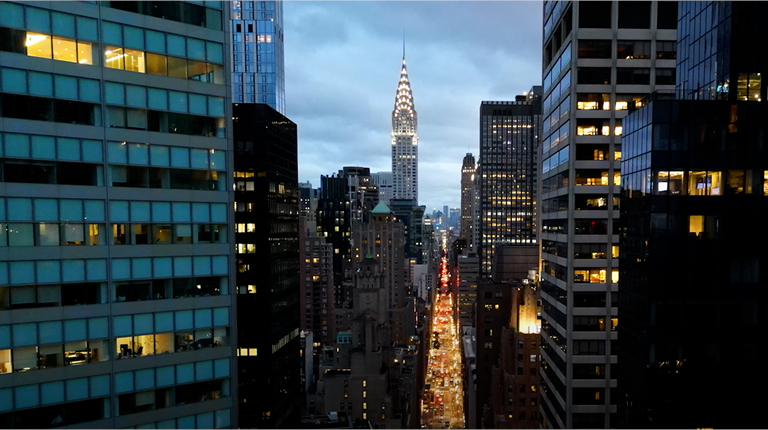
[(405, 161)]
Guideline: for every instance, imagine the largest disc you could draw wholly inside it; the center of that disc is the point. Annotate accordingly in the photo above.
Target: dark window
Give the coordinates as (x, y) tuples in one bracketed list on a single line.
[(595, 48), (13, 40), (30, 172), (76, 174), (630, 49), (667, 15), (594, 14), (629, 76), (635, 14), (665, 76), (595, 75), (666, 50)]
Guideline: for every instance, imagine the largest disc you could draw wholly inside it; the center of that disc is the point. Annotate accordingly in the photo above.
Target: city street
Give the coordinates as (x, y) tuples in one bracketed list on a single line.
[(442, 400)]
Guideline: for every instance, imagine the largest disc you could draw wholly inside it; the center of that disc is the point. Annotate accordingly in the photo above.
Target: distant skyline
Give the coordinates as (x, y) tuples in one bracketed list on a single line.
[(342, 64)]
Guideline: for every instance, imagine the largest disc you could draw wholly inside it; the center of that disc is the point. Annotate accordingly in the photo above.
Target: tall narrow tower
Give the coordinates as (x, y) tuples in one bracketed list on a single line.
[(405, 150), (468, 170)]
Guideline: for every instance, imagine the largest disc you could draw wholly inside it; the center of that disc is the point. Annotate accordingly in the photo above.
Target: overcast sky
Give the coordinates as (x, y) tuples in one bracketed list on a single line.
[(342, 64)]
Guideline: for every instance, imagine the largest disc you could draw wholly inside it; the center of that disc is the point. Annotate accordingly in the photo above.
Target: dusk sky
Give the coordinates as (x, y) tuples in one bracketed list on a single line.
[(342, 64)]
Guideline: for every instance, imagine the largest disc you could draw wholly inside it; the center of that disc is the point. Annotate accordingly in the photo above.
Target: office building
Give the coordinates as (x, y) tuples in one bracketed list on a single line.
[(316, 279), (258, 70), (383, 181), (598, 59), (509, 138), (267, 253), (334, 223), (405, 140), (468, 170), (466, 299), (694, 177), (116, 301), (411, 216), (363, 193)]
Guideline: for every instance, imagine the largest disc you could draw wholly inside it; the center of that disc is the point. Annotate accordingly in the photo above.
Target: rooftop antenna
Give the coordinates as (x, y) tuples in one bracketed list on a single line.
[(403, 43)]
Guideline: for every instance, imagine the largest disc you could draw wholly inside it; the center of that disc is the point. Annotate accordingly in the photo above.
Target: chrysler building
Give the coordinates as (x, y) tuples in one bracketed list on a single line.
[(405, 149)]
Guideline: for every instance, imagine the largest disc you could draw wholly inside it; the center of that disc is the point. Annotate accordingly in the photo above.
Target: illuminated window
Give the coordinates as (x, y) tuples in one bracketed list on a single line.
[(38, 45), (748, 86), (704, 183), (365, 383), (114, 57), (64, 49), (365, 405)]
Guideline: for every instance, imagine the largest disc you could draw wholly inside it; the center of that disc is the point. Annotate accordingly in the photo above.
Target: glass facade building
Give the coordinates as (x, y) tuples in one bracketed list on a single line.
[(694, 187), (509, 138), (599, 58), (115, 302), (258, 70)]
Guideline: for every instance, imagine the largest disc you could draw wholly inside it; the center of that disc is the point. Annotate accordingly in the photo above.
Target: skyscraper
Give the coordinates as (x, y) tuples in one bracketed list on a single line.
[(405, 139), (258, 71), (509, 138), (468, 169), (694, 184), (267, 252), (116, 299), (599, 58)]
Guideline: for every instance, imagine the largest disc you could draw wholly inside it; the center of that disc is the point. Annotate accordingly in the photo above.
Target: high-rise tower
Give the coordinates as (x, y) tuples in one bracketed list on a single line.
[(257, 53), (468, 169), (599, 59), (405, 150)]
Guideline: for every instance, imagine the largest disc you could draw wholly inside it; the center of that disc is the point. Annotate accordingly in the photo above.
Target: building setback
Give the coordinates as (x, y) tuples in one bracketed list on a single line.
[(267, 267), (509, 136), (598, 59), (116, 303), (694, 178)]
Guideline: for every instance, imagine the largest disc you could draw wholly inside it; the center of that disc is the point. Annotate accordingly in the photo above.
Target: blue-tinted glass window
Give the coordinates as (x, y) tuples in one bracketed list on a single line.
[(214, 52), (176, 45), (99, 385), (48, 271), (73, 270), (75, 330), (65, 86), (40, 84), (165, 376), (221, 316), (122, 326), (52, 392), (123, 382), (163, 322), (133, 37), (221, 367), (94, 210), (97, 328), (118, 211), (203, 370), (202, 265), (159, 155), (22, 272), (200, 212), (46, 210), (155, 41), (112, 33), (183, 320), (68, 149), (136, 96), (27, 396), (163, 267), (158, 99), (96, 270), (19, 209), (185, 422), (179, 157), (5, 338), (11, 15), (77, 389), (181, 212), (219, 264), (117, 152), (63, 24), (182, 266), (196, 49), (218, 212), (218, 160), (50, 332), (142, 324), (114, 93), (161, 212), (205, 421), (86, 28), (38, 20), (17, 145), (144, 379), (121, 268), (203, 318), (71, 210), (14, 81), (185, 373), (142, 267), (199, 159), (223, 418), (216, 106), (197, 104), (138, 153), (43, 147), (24, 334), (178, 101)]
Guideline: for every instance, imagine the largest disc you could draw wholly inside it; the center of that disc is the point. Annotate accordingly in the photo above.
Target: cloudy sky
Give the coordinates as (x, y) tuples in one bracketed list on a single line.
[(342, 63)]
